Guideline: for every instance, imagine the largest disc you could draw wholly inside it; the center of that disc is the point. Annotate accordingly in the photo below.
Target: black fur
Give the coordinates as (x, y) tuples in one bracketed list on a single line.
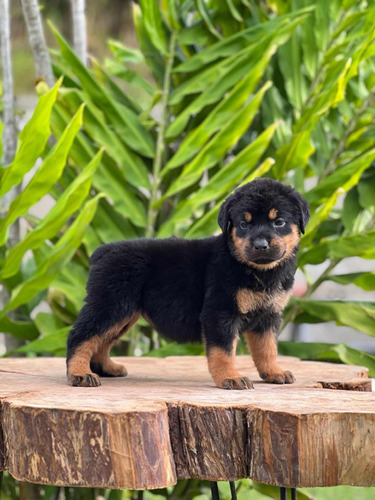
[(187, 288)]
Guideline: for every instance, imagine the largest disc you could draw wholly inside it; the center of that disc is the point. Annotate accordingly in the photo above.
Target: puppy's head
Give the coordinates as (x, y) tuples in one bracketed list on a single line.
[(263, 221)]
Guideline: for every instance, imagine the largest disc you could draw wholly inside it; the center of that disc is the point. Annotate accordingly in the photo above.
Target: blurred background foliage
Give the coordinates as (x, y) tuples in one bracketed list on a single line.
[(150, 138)]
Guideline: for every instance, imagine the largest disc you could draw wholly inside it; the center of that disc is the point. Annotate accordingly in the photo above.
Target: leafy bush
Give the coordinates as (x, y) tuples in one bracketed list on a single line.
[(237, 91)]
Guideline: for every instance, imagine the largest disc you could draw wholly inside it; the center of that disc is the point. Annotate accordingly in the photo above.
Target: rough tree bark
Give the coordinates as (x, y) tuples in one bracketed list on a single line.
[(78, 8), (37, 41)]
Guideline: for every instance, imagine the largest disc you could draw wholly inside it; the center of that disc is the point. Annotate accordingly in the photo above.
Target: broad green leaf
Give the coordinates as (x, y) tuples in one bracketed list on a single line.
[(131, 164), (231, 73), (53, 342), (71, 281), (345, 177), (59, 256), (356, 314), (31, 141), (108, 178), (45, 177), (201, 6), (48, 323), (240, 40), (125, 54), (23, 330), (154, 59), (319, 351), (222, 182), (173, 349), (153, 24), (217, 147), (218, 117), (125, 120), (68, 203), (365, 280), (361, 245), (318, 216), (207, 224)]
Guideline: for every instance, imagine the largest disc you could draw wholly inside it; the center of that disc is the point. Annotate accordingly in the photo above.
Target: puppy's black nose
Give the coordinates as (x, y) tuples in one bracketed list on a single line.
[(260, 244)]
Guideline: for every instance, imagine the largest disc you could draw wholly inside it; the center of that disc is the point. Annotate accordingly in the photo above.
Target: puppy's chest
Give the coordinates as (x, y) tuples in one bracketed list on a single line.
[(248, 300)]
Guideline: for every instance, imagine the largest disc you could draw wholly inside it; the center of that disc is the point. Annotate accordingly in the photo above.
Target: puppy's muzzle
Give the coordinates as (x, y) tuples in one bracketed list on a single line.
[(262, 251)]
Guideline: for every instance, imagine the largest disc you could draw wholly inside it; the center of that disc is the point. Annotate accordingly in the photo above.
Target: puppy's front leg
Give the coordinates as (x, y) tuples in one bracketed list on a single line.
[(263, 348), (221, 342)]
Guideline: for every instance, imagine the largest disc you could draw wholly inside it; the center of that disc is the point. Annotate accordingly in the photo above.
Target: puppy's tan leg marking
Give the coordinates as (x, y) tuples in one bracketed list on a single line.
[(102, 358), (263, 349), (222, 369), (79, 372), (96, 350)]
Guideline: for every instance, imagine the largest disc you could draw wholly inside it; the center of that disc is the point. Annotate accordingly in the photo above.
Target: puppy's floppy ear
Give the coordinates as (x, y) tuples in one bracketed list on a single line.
[(224, 214), (303, 210)]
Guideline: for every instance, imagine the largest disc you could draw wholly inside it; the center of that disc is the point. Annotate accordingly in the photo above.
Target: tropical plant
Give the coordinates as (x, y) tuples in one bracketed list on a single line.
[(217, 94)]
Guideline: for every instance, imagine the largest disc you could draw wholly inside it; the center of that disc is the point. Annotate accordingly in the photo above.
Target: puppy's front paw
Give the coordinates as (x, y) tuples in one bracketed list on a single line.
[(86, 380), (238, 383), (278, 377)]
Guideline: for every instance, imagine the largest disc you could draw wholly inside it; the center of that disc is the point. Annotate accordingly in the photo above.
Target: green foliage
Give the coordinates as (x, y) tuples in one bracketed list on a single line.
[(233, 90)]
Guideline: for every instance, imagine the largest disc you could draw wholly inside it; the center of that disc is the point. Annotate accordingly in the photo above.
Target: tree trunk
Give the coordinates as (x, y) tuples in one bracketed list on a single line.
[(78, 9), (37, 41), (9, 137)]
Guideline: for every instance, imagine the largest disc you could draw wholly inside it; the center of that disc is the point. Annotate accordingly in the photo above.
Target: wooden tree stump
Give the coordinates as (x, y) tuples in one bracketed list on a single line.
[(167, 421)]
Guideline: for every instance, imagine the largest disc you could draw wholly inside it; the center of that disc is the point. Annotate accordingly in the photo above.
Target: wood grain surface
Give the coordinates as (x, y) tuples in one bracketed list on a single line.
[(167, 421)]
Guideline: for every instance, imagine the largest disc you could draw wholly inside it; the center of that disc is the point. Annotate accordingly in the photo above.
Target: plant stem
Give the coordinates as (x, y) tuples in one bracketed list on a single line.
[(160, 143)]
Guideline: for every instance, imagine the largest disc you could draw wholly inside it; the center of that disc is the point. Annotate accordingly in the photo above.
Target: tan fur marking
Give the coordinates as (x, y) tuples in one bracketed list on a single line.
[(79, 364), (221, 364), (281, 299), (248, 217), (263, 348), (240, 245), (291, 240), (248, 300), (272, 214), (106, 341)]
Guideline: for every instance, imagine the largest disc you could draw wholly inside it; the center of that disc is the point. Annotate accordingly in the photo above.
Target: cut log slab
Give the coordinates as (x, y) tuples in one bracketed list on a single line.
[(167, 421)]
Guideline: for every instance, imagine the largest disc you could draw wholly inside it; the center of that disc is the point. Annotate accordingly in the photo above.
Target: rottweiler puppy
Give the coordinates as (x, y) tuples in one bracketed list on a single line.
[(209, 290)]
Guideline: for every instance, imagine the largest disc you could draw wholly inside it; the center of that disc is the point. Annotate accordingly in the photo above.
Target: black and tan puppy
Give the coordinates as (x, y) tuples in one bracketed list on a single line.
[(208, 290)]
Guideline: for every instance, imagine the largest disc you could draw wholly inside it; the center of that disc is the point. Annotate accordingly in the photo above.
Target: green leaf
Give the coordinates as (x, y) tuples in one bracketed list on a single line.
[(125, 54), (68, 203), (48, 323), (131, 164), (153, 24), (31, 141), (222, 182), (216, 149), (215, 120), (356, 314), (201, 6), (45, 177), (71, 281), (59, 256), (319, 351), (23, 330), (240, 40), (361, 245), (173, 349), (365, 280), (345, 177), (50, 343), (125, 120)]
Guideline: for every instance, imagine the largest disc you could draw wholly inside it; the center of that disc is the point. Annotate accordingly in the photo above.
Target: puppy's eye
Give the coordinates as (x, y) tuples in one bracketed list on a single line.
[(243, 224), (279, 223)]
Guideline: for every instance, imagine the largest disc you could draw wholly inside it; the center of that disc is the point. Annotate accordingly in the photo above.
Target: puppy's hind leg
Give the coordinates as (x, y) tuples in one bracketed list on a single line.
[(101, 363)]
